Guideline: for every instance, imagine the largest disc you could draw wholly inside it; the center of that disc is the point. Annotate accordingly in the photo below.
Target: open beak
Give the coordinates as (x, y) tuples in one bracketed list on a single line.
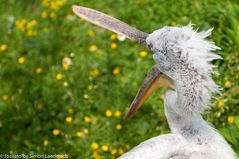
[(154, 80), (110, 23)]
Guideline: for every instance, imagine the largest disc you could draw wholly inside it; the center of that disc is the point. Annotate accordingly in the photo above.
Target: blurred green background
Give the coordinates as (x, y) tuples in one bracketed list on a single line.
[(66, 84)]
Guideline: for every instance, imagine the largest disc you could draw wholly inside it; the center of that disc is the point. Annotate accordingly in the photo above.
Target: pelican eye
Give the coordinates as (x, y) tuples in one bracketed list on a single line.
[(150, 46)]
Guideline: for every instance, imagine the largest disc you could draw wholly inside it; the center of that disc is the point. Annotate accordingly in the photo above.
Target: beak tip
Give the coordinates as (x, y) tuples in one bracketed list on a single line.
[(74, 7), (130, 112), (127, 116)]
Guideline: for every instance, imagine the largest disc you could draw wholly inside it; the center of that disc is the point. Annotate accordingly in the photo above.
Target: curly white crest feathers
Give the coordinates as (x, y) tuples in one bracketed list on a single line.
[(185, 56)]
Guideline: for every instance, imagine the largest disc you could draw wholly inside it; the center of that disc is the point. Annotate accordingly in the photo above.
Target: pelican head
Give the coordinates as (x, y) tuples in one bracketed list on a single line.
[(178, 50)]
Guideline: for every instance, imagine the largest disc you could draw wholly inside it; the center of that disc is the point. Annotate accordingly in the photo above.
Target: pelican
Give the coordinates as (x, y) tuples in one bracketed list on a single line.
[(183, 59)]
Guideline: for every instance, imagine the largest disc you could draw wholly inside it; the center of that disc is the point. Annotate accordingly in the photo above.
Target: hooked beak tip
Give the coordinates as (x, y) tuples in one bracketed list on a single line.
[(74, 7), (129, 114), (126, 117)]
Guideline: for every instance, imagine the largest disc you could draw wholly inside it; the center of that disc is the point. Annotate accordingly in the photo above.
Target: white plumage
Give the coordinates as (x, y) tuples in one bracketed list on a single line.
[(184, 56)]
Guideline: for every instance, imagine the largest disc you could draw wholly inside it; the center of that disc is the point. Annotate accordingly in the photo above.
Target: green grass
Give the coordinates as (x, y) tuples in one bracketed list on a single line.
[(33, 104)]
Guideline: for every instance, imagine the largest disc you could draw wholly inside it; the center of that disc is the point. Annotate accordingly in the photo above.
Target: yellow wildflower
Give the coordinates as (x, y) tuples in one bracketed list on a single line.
[(69, 16), (95, 72), (61, 2), (59, 76), (31, 24), (120, 151), (230, 119), (113, 36), (21, 24), (93, 48), (86, 131), (44, 14), (86, 96), (54, 6), (173, 23), (31, 33), (39, 105), (113, 151), (21, 60), (3, 47), (108, 113), (143, 54), (45, 3), (65, 84), (220, 103), (45, 142), (5, 97), (56, 132), (91, 33), (127, 146), (94, 146), (69, 119), (87, 119), (105, 148), (96, 155), (197, 4), (90, 87), (116, 70), (66, 68), (117, 114), (72, 54), (114, 46), (70, 110), (118, 127), (79, 134), (227, 84), (52, 15), (38, 70), (24, 21)]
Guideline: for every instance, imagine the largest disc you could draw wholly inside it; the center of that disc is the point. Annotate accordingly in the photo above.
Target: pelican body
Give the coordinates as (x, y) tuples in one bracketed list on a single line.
[(183, 64)]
